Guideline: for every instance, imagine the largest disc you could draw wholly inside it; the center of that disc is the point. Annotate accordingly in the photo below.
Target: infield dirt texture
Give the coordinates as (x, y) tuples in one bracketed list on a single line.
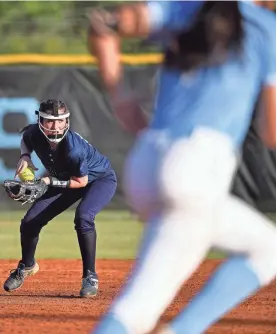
[(49, 301)]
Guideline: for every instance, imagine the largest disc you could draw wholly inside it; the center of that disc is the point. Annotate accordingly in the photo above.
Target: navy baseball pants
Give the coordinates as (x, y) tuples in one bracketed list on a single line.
[(94, 197)]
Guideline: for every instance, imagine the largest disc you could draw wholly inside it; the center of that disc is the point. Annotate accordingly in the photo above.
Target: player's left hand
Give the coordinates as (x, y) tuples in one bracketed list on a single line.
[(25, 192)]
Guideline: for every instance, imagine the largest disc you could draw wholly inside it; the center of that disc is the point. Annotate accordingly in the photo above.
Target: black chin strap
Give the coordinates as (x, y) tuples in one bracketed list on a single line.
[(55, 136)]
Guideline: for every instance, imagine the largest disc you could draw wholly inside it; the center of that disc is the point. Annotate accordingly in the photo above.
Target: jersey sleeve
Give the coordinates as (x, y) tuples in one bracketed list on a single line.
[(262, 28), (269, 61), (78, 165), (27, 138), (171, 15)]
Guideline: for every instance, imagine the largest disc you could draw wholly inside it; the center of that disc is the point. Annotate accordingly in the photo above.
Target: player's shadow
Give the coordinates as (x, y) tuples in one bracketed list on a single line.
[(59, 296), (42, 296), (255, 322), (50, 317), (237, 321)]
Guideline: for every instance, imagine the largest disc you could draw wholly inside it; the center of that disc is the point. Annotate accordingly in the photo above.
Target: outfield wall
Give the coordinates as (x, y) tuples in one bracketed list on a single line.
[(23, 86)]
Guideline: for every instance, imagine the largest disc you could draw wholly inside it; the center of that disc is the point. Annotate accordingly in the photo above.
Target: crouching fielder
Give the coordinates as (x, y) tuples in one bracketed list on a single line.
[(219, 59)]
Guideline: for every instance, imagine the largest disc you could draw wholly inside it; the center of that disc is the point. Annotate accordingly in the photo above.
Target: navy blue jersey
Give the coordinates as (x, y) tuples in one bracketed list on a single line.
[(73, 156)]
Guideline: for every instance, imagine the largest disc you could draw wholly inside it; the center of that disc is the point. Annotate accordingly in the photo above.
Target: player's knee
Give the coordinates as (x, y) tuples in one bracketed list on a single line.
[(31, 227), (84, 223), (263, 258)]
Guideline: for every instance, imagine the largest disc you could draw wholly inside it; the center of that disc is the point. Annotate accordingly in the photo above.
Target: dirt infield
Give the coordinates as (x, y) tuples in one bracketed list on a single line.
[(49, 301)]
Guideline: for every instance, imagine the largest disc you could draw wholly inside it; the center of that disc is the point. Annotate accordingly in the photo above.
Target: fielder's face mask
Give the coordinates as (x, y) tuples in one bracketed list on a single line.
[(56, 135)]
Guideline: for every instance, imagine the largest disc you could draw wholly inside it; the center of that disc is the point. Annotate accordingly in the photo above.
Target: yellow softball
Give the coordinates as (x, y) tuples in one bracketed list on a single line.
[(27, 175)]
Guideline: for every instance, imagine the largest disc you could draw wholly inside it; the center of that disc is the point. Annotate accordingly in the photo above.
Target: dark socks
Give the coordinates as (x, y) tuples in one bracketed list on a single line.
[(87, 243), (28, 248)]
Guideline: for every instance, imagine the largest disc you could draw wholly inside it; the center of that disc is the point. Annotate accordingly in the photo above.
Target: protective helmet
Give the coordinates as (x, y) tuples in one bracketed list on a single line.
[(53, 110)]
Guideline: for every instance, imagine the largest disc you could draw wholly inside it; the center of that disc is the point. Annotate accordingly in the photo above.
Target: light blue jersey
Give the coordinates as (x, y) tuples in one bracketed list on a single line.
[(221, 98), (181, 187)]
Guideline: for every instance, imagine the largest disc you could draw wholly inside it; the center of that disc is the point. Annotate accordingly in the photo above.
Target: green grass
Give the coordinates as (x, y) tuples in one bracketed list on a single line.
[(118, 236)]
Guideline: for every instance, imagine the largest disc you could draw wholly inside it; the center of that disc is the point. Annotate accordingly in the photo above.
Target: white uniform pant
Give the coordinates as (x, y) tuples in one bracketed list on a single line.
[(181, 189)]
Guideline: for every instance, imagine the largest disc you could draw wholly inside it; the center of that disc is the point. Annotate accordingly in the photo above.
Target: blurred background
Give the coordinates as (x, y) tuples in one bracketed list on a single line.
[(43, 55), (52, 27)]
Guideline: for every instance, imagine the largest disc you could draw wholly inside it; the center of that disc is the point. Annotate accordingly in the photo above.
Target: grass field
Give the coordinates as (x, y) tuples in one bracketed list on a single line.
[(118, 236)]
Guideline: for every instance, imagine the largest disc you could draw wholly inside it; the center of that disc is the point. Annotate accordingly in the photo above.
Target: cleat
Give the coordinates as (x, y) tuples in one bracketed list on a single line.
[(89, 285), (18, 275)]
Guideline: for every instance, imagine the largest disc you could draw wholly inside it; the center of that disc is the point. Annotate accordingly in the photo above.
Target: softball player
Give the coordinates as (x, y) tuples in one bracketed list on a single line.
[(219, 59), (77, 171)]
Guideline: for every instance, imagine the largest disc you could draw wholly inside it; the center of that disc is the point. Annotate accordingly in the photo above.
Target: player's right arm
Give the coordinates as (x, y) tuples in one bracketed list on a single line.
[(105, 33), (107, 28), (25, 154)]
